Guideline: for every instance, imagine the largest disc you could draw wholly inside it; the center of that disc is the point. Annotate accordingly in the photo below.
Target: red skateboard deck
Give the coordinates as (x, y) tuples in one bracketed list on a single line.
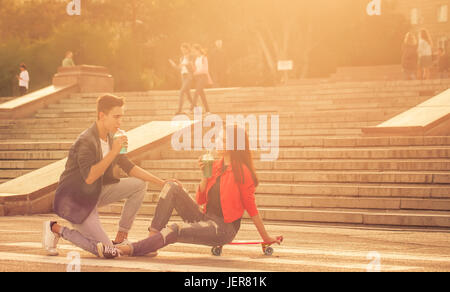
[(266, 246)]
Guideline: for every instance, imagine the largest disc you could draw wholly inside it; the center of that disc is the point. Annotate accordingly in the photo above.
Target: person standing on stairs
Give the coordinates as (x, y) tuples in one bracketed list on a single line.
[(186, 68), (201, 76), (409, 57), (24, 80), (87, 183), (425, 54)]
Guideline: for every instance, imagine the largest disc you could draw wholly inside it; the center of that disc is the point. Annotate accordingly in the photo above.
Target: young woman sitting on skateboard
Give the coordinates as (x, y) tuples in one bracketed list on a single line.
[(214, 218)]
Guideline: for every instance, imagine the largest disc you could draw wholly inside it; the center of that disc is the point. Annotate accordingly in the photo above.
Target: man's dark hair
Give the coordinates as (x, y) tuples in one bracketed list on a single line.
[(107, 102)]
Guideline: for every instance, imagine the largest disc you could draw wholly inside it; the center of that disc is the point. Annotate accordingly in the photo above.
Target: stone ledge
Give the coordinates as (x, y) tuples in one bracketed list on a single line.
[(430, 118), (26, 105), (89, 78)]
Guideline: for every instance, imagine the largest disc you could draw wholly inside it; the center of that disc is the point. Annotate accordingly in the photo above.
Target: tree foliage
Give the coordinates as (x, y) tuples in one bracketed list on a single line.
[(135, 38)]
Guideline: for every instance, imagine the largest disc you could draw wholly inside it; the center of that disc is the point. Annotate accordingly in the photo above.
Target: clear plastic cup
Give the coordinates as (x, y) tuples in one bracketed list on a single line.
[(208, 160), (118, 134)]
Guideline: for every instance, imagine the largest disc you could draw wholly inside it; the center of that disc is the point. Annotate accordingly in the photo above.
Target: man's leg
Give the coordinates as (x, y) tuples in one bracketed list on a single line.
[(91, 245), (87, 235), (91, 228), (79, 240), (131, 189)]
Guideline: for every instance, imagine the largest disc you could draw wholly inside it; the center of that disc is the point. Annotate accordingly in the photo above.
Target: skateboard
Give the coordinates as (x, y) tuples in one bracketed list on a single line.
[(266, 246)]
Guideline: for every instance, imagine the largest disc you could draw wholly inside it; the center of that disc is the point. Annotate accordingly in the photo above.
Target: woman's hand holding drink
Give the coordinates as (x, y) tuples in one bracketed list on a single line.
[(205, 164)]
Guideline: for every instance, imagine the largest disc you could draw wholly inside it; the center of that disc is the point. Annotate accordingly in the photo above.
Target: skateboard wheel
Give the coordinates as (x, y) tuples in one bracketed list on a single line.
[(268, 251), (216, 250)]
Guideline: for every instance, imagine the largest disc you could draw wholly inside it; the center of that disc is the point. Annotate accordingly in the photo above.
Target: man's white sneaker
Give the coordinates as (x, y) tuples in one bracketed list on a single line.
[(49, 239)]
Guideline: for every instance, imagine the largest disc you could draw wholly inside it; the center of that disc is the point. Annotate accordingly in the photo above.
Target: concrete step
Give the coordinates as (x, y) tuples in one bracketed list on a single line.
[(393, 152), (33, 155), (286, 117), (304, 201), (367, 217), (325, 164), (347, 216), (230, 107), (303, 102), (87, 112), (30, 145), (284, 127), (297, 176), (322, 89), (36, 135), (289, 141), (13, 173), (361, 190), (23, 164)]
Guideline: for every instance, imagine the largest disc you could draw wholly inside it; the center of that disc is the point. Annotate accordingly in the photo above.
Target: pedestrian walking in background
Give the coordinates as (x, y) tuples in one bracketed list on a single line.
[(409, 56), (186, 68), (425, 54), (201, 75), (218, 64)]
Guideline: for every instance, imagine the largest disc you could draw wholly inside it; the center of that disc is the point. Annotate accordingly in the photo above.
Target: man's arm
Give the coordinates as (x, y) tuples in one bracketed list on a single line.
[(144, 175), (97, 170)]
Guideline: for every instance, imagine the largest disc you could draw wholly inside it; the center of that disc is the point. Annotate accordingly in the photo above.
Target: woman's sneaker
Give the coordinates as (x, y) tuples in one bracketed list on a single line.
[(107, 252), (49, 239)]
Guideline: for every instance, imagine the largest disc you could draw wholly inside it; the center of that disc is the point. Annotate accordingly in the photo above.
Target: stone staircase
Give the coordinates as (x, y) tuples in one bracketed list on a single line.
[(367, 73), (326, 171)]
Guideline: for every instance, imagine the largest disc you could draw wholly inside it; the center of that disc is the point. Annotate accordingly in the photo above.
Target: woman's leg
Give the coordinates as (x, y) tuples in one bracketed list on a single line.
[(173, 197), (211, 232), (201, 91), (196, 82), (200, 83), (152, 243), (198, 228), (185, 90)]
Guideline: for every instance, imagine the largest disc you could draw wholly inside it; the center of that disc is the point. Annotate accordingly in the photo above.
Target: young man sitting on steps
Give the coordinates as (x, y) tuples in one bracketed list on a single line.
[(87, 183)]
